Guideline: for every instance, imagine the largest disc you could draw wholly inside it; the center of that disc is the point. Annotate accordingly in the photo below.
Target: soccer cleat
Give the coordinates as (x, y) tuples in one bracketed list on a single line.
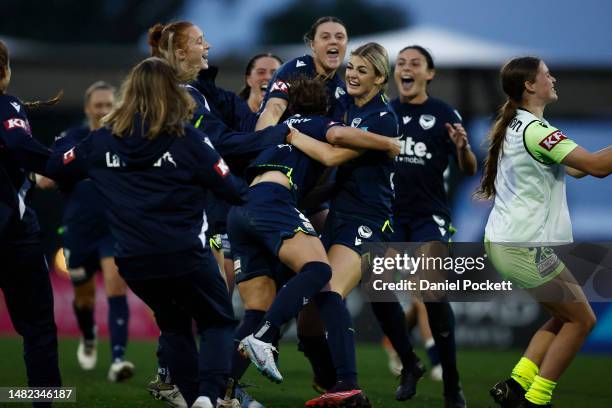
[(408, 381), (455, 401), (87, 355), (202, 402), (120, 370), (261, 355), (436, 372), (169, 393), (508, 393), (395, 364), (348, 399), (244, 399)]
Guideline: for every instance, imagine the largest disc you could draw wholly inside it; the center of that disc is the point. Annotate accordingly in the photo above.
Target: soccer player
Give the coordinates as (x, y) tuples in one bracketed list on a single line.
[(148, 162), (24, 278), (524, 171), (431, 133), (327, 38), (183, 45), (360, 212), (259, 71), (88, 247), (261, 230)]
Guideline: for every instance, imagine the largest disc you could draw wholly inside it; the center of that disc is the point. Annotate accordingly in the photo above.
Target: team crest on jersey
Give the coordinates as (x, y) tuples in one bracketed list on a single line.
[(339, 92), (364, 231), (427, 121), (550, 141), (280, 86), (355, 122)]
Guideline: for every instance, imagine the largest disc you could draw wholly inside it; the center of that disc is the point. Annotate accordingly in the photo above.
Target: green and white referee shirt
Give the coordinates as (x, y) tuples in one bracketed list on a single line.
[(530, 202)]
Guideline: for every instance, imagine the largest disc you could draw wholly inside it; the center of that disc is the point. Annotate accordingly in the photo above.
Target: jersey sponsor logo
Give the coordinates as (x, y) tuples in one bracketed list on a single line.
[(339, 92), (300, 63), (383, 114), (208, 142), (357, 241), (16, 106), (413, 152), (237, 268), (288, 146), (280, 86), (295, 119), (456, 112), (222, 168), (166, 158), (69, 156), (112, 160), (515, 125), (15, 123), (355, 122), (61, 136), (364, 231), (406, 119), (439, 220), (305, 221), (550, 141), (427, 121)]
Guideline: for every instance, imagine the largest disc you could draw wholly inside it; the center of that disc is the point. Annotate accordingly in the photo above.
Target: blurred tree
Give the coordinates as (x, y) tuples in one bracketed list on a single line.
[(360, 16), (84, 21)]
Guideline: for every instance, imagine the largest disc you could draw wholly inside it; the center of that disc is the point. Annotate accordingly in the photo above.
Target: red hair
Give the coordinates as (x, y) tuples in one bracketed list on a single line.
[(167, 38)]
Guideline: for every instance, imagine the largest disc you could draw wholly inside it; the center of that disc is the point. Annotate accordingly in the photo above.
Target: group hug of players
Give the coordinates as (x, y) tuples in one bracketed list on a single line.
[(182, 187)]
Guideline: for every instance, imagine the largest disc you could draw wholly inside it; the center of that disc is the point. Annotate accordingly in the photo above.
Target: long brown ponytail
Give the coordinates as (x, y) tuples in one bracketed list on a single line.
[(513, 74)]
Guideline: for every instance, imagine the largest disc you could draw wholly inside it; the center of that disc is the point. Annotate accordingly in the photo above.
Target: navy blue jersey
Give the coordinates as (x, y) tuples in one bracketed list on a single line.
[(237, 147), (228, 142), (305, 66), (155, 188), (20, 154), (426, 147), (365, 187), (302, 171), (226, 105), (84, 207)]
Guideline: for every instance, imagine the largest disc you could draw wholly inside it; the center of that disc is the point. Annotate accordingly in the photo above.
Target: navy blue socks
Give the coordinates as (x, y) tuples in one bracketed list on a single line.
[(292, 297), (118, 318), (340, 338), (392, 321)]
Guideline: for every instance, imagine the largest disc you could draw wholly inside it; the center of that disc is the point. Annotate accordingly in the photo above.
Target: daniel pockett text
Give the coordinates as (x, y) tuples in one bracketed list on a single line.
[(464, 272), (430, 275)]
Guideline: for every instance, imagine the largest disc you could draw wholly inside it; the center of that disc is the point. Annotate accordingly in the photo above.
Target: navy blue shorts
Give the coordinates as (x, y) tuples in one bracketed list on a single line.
[(180, 286), (423, 229), (353, 232), (258, 228), (83, 257)]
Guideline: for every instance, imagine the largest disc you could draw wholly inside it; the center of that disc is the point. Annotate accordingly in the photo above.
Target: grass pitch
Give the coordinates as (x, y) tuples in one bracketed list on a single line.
[(586, 383)]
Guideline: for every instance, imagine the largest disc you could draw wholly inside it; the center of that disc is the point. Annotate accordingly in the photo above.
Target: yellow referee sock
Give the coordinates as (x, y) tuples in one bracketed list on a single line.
[(541, 390), (524, 372)]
